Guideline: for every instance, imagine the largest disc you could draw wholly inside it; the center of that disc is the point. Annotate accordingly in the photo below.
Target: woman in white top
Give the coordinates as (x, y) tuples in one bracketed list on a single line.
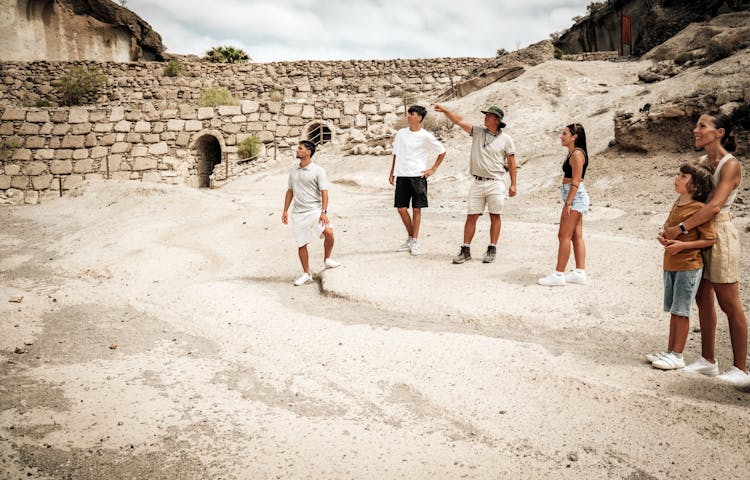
[(712, 133)]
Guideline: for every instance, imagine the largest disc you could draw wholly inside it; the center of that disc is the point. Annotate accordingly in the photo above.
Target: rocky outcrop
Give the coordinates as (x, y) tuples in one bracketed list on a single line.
[(72, 30), (652, 23)]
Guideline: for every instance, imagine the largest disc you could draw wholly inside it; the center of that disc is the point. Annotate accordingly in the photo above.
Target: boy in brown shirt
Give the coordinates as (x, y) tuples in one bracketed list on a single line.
[(683, 262)]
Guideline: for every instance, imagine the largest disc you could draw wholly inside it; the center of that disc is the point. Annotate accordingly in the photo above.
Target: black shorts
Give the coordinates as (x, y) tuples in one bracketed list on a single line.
[(411, 188)]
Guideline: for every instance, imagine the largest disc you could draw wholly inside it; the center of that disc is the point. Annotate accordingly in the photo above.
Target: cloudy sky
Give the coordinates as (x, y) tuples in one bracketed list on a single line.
[(356, 29)]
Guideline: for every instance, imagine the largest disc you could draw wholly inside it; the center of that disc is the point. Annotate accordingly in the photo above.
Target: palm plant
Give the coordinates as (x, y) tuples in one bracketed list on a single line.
[(227, 54)]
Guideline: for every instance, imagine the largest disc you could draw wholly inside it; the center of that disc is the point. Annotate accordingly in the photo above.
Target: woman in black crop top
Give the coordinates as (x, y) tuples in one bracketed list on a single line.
[(576, 204)]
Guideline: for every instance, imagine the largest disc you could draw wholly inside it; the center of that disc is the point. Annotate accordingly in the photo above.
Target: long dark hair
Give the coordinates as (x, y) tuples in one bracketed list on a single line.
[(580, 141), (723, 121)]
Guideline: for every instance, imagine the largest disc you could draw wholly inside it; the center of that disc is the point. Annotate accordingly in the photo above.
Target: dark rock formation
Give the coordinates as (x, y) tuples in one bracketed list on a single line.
[(652, 23)]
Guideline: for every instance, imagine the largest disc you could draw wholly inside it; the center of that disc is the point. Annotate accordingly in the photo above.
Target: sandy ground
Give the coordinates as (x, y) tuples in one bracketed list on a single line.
[(158, 334)]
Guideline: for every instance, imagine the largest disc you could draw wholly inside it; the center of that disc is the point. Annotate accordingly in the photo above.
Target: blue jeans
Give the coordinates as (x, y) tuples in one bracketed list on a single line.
[(679, 291)]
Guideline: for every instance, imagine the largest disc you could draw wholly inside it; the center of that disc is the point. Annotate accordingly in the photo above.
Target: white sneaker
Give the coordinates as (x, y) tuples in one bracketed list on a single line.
[(743, 386), (652, 357), (406, 246), (575, 277), (414, 250), (305, 278), (554, 279), (735, 376), (331, 263), (704, 367), (670, 361)]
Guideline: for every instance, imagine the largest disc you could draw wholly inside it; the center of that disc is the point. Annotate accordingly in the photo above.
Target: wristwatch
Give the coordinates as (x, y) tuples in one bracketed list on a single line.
[(683, 229), (326, 212)]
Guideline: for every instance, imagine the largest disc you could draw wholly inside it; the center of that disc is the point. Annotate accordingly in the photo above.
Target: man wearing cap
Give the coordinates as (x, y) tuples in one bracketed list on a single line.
[(492, 161)]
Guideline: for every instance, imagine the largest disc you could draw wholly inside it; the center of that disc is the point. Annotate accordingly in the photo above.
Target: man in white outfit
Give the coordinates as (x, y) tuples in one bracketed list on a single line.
[(308, 187), (413, 148)]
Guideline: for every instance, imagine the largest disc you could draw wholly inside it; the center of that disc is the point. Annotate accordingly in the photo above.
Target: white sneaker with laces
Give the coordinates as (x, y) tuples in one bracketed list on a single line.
[(303, 279), (704, 367), (651, 357), (554, 279), (734, 375), (670, 361), (743, 386), (406, 246), (414, 250), (331, 263), (575, 276)]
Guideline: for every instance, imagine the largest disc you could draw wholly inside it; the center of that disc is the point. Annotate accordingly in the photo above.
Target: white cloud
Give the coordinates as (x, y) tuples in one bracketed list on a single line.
[(355, 29)]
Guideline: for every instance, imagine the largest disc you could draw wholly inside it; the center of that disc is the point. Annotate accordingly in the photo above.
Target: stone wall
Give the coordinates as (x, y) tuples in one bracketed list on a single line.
[(147, 126)]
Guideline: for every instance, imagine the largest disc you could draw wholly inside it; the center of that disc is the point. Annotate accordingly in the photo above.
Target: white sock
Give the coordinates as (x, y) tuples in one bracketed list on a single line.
[(580, 271)]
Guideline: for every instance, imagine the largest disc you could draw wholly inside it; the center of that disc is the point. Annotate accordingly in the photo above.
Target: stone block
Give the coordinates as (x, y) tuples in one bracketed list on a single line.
[(107, 140), (105, 127), (55, 142), (62, 154), (385, 108), (296, 121), (61, 129), (72, 181), (351, 108), (158, 149), (282, 131), (80, 153), (60, 116), (96, 116), (308, 111), (4, 182), (31, 197), (29, 129), (193, 126), (90, 140), (99, 152), (369, 108), (331, 113), (35, 142), (151, 137), (21, 154), (15, 196), (61, 167), (169, 114), (80, 129), (121, 176), (40, 182), (13, 169), (7, 128), (94, 176), (121, 147), (239, 119), (292, 109), (183, 139), (117, 114), (142, 127), (73, 141), (78, 115), (133, 137), (232, 128), (175, 125), (14, 114), (41, 116), (143, 163), (123, 126), (114, 162), (249, 106), (360, 121), (229, 110), (205, 113), (45, 153), (170, 136), (34, 168), (46, 128), (139, 151), (20, 182), (83, 166)]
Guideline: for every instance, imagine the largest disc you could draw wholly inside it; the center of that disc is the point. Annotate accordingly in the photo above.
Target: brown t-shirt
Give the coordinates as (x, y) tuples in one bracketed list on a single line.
[(688, 259)]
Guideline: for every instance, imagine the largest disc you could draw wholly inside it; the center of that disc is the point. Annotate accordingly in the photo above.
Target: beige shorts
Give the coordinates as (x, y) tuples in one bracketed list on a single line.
[(307, 226), (721, 263), (486, 193)]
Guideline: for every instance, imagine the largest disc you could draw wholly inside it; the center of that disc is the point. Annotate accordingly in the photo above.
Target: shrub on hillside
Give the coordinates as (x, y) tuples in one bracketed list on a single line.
[(250, 147), (227, 54), (80, 85), (173, 69), (212, 97)]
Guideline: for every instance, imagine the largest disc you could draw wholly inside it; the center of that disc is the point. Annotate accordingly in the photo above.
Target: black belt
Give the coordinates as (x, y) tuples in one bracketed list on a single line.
[(483, 178)]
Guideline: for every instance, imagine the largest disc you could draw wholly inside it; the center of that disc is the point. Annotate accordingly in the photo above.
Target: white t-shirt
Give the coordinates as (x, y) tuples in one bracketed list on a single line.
[(488, 153), (414, 151), (306, 184)]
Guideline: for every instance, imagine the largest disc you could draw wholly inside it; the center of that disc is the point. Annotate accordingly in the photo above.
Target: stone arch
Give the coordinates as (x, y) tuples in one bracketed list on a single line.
[(209, 151), (318, 132)]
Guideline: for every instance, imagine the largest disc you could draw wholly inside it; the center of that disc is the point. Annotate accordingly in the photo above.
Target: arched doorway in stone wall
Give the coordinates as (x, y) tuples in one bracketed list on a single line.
[(208, 151), (318, 133)]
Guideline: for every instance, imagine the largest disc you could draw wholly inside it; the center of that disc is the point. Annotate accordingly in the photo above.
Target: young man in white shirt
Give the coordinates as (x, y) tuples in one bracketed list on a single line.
[(492, 161), (413, 148), (308, 187)]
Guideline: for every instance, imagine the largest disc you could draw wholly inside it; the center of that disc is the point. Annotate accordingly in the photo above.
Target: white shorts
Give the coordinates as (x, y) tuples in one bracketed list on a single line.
[(489, 193), (306, 226)]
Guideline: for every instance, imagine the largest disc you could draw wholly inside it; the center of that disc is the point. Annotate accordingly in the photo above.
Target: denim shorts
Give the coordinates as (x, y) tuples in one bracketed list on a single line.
[(581, 199), (679, 291)]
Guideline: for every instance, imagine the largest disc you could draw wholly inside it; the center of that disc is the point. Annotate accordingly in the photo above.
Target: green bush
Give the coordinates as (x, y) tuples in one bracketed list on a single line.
[(212, 97), (80, 85), (173, 69), (227, 54), (250, 147)]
